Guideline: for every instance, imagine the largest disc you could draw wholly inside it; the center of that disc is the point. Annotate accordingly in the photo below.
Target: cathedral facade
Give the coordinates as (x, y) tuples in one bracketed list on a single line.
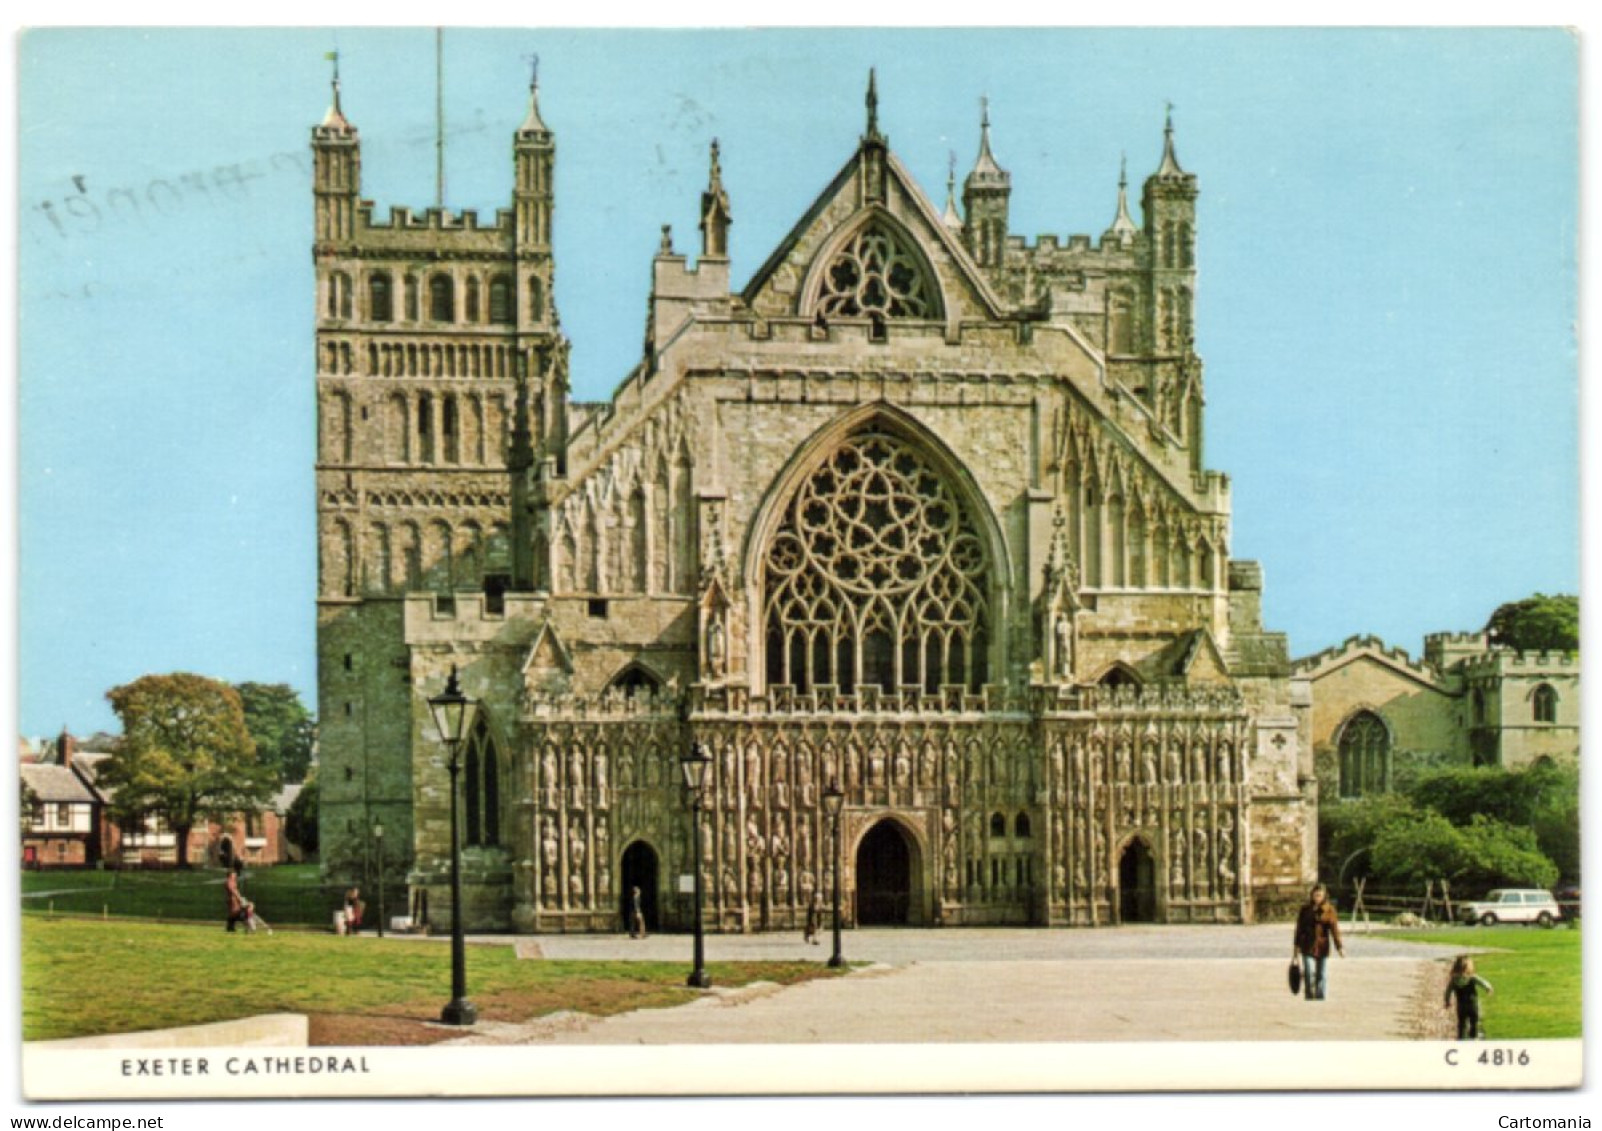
[(919, 513)]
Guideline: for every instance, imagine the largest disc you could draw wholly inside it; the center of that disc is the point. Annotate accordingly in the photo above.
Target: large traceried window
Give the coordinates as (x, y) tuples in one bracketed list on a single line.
[(876, 576), (1365, 749), (877, 275)]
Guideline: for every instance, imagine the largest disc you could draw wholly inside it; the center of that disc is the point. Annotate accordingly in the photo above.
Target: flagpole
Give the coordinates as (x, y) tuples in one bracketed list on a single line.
[(439, 117)]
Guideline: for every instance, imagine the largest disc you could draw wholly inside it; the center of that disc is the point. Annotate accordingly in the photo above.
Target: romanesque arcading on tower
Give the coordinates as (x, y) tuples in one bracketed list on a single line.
[(986, 195)]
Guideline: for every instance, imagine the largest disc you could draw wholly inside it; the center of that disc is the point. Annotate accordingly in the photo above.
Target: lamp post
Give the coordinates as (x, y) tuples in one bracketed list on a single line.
[(833, 799), (451, 710), (378, 847), (694, 764)]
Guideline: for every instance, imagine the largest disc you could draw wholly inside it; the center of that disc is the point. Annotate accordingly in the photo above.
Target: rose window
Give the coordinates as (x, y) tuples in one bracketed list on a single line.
[(876, 576), (876, 275)]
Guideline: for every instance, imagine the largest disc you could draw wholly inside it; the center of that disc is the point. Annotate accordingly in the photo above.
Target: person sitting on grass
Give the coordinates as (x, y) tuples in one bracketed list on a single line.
[(1465, 985)]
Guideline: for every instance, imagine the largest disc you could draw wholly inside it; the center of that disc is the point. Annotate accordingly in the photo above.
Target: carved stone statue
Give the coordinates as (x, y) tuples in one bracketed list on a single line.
[(1063, 639), (553, 798), (753, 775), (715, 645), (575, 779), (548, 843), (601, 792)]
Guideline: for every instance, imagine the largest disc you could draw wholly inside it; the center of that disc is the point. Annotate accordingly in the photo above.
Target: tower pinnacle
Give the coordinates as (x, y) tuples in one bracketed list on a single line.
[(335, 118), (1123, 226), (951, 219), (1170, 164), (533, 123), (715, 217), (872, 102)]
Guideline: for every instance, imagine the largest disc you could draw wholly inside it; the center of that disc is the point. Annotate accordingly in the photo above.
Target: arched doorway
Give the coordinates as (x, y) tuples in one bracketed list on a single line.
[(884, 877), (639, 871), (1137, 885)]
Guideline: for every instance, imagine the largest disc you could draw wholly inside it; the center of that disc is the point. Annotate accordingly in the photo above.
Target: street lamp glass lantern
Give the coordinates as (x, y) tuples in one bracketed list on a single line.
[(832, 800), (378, 830), (451, 709), (694, 764)]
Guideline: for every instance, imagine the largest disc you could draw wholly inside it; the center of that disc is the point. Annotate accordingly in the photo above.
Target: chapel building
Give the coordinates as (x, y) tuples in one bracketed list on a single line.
[(920, 511)]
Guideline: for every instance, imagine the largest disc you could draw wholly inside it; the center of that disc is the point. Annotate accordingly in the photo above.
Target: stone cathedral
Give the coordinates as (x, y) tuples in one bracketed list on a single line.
[(921, 512)]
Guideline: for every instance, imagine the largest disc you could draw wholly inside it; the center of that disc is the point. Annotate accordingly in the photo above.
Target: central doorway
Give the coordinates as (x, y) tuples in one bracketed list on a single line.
[(1137, 885), (639, 871), (884, 877)]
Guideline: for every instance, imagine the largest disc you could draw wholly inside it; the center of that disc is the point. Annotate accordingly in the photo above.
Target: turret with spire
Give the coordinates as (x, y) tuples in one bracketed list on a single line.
[(715, 217), (1169, 206), (337, 176), (534, 155), (986, 197)]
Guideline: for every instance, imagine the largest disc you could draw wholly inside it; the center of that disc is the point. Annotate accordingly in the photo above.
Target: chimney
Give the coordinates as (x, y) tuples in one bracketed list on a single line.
[(66, 747)]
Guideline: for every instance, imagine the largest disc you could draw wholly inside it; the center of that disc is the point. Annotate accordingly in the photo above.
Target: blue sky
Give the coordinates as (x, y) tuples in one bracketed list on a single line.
[(1387, 251)]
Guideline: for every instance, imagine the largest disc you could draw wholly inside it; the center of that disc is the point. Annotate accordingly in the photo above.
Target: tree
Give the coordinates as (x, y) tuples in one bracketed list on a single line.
[(300, 823), (185, 753), (282, 727), (30, 799), (1537, 624)]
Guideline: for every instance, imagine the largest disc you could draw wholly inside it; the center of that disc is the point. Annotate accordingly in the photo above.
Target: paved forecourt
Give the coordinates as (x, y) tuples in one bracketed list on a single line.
[(1133, 983)]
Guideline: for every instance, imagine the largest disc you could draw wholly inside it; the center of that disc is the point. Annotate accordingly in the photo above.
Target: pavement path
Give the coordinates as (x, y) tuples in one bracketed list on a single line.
[(1218, 983)]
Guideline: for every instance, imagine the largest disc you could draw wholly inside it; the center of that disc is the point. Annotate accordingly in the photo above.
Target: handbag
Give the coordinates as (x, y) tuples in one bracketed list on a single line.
[(1295, 976)]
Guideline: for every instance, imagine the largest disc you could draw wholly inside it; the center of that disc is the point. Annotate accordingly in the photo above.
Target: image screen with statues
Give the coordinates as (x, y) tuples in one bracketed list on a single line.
[(936, 537)]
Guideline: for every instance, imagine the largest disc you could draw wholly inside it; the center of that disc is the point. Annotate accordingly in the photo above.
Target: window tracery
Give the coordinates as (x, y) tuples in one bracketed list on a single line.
[(876, 274), (1364, 755), (876, 576)]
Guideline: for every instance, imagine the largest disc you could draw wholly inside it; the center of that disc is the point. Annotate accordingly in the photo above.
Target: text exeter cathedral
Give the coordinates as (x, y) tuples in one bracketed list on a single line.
[(920, 511)]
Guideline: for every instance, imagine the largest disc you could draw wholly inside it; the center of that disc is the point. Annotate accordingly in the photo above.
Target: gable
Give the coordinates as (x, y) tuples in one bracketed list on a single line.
[(873, 191)]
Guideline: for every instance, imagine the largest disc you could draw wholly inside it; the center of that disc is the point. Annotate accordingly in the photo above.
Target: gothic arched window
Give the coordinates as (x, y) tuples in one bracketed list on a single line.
[(876, 576), (500, 302), (441, 299), (482, 787), (1365, 750), (380, 306), (1544, 701), (876, 274)]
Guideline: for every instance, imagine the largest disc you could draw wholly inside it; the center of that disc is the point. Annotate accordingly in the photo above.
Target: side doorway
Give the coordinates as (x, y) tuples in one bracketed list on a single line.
[(639, 870)]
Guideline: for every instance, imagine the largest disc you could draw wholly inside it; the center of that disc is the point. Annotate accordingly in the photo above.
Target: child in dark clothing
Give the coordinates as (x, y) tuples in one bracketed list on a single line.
[(1465, 985)]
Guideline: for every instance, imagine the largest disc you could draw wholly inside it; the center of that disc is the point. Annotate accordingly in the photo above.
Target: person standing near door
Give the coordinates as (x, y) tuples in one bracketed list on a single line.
[(1317, 929), (636, 914)]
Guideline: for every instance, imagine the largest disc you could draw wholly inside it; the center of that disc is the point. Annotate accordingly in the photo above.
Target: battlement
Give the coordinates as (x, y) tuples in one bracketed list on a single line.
[(433, 221), (1506, 662), (1367, 642)]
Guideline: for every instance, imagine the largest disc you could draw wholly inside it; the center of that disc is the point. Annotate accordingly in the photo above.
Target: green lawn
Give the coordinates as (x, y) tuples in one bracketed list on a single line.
[(286, 894), (82, 977), (1536, 974)]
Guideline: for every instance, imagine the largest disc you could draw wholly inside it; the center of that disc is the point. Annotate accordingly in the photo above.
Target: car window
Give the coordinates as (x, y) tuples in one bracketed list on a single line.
[(1510, 897)]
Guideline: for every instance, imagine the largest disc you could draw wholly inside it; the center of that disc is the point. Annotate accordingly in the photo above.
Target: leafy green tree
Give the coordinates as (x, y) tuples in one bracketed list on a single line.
[(1459, 793), (282, 727), (185, 753), (29, 800), (300, 823), (1347, 831), (1537, 624)]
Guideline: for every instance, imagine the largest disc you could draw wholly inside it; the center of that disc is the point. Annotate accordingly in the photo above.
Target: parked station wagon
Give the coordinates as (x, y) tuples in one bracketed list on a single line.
[(1512, 905)]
